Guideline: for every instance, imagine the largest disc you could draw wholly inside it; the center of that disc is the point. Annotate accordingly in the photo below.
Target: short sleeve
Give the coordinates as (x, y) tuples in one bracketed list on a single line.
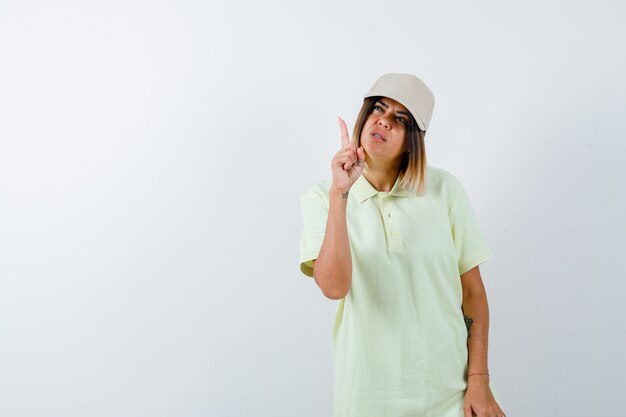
[(314, 206), (470, 244)]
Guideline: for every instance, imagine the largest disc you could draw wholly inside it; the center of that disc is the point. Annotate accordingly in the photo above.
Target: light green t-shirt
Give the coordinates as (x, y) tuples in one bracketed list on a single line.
[(399, 335)]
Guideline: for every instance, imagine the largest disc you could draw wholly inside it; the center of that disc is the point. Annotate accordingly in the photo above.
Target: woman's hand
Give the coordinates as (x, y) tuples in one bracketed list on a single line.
[(347, 164), (479, 400)]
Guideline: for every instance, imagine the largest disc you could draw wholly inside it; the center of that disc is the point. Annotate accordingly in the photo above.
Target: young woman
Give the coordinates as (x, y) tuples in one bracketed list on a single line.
[(397, 243)]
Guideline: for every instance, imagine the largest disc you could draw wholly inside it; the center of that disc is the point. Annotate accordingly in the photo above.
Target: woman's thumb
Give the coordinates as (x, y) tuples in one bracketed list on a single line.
[(360, 153)]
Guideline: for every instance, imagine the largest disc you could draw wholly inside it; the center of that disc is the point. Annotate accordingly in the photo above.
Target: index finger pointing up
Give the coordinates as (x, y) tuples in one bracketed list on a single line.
[(345, 137)]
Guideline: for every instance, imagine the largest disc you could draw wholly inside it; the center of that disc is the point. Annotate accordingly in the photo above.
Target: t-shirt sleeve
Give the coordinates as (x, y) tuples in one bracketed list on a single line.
[(314, 206), (471, 247)]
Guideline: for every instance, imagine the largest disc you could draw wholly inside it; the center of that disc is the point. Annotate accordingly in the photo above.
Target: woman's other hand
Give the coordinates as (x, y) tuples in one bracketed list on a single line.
[(348, 163), (479, 400)]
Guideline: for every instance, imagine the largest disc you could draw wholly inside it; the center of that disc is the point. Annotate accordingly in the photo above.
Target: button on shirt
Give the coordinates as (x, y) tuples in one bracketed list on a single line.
[(399, 335)]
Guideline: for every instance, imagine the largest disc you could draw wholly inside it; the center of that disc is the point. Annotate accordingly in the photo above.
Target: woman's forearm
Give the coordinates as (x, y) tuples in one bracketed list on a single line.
[(476, 312), (332, 269)]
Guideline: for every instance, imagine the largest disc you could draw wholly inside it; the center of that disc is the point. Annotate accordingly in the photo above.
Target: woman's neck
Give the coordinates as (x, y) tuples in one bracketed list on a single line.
[(382, 178)]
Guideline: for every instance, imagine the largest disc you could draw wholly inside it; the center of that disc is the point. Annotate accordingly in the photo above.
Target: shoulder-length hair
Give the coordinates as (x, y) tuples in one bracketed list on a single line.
[(413, 164)]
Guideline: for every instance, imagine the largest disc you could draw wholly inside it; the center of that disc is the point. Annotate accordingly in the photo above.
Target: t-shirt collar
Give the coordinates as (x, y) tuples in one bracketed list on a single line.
[(362, 189)]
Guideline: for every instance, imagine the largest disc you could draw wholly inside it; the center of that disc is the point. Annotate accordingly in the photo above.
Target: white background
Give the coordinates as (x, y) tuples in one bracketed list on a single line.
[(151, 160)]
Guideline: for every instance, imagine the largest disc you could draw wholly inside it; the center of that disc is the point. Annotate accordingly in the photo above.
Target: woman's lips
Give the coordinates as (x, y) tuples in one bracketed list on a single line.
[(377, 138)]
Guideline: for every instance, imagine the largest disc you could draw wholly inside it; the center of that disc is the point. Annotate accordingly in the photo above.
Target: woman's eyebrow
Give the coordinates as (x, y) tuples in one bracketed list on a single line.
[(382, 103)]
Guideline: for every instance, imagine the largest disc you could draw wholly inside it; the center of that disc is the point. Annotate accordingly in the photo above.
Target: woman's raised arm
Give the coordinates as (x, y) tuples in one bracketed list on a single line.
[(332, 269)]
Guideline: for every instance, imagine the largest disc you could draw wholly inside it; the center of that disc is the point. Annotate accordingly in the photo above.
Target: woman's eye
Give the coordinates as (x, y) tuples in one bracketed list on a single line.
[(400, 118)]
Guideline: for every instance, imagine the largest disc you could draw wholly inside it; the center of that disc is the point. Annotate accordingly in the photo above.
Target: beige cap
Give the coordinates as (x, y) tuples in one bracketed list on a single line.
[(409, 91)]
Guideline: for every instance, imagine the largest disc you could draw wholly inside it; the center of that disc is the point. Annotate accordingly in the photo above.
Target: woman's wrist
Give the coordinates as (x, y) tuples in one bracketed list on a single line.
[(478, 373), (478, 378), (339, 192)]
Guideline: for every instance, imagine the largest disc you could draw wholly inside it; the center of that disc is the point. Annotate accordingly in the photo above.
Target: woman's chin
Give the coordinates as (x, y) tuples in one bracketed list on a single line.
[(373, 151), (371, 148)]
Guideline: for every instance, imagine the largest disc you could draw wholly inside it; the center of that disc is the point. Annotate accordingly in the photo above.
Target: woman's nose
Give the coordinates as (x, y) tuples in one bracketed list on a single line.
[(383, 123)]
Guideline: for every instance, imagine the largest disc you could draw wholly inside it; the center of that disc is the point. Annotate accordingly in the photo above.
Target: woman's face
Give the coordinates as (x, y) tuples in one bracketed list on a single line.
[(384, 132)]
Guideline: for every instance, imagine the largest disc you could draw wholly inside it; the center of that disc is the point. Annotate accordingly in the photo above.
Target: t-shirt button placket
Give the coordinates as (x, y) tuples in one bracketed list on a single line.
[(395, 241)]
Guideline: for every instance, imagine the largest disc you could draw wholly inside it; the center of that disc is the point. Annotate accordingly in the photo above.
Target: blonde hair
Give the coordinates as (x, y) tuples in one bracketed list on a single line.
[(413, 165)]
